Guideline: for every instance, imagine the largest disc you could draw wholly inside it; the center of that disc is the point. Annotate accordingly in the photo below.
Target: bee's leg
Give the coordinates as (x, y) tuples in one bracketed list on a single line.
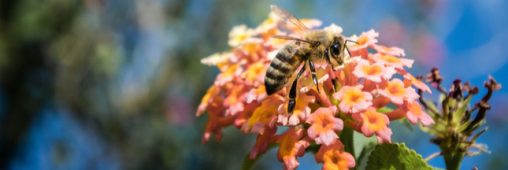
[(313, 72), (334, 80), (292, 91)]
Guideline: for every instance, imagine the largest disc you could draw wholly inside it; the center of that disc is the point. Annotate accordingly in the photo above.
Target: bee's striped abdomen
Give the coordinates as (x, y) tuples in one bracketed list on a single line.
[(281, 68)]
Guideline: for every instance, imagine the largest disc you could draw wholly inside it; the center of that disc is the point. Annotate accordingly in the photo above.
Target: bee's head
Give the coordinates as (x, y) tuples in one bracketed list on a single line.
[(336, 49)]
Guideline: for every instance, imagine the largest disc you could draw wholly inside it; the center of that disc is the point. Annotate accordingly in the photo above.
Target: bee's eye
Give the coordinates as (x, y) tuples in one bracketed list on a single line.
[(335, 48)]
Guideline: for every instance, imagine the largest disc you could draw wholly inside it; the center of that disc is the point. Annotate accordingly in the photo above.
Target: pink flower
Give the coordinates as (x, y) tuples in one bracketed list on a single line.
[(415, 113), (254, 74), (255, 95), (397, 92), (393, 61), (374, 72), (301, 111), (334, 28), (394, 51), (263, 116), (217, 59), (365, 40), (353, 99), (228, 74), (324, 125), (234, 102), (290, 147), (211, 93), (410, 79), (345, 75), (240, 35), (397, 114), (374, 122), (334, 157)]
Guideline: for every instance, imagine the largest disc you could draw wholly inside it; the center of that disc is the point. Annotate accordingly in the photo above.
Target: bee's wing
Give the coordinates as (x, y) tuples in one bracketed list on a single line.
[(288, 18)]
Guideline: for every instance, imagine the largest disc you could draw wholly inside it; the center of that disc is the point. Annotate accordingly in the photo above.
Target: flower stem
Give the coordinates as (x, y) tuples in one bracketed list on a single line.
[(453, 160), (249, 163), (346, 136)]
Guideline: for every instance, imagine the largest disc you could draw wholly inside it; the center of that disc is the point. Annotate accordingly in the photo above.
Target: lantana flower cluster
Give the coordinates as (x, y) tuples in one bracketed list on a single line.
[(373, 77)]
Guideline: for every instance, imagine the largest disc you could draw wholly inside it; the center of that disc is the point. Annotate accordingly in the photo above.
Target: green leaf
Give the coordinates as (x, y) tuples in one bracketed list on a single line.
[(395, 156), (361, 161)]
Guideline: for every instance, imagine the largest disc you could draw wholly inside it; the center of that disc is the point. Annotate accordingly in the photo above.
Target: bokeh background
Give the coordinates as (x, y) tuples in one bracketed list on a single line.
[(114, 84)]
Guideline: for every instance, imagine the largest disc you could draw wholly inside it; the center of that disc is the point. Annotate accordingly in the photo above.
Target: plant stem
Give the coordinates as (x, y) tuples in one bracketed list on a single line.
[(248, 163), (346, 136), (453, 160)]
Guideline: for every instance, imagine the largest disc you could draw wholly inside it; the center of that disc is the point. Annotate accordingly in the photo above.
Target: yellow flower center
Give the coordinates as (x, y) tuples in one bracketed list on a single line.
[(240, 37), (265, 112), (333, 160), (254, 71), (362, 40), (374, 119), (230, 71), (396, 88), (415, 108), (353, 96), (268, 21), (233, 97), (252, 48), (372, 70), (323, 123), (390, 59)]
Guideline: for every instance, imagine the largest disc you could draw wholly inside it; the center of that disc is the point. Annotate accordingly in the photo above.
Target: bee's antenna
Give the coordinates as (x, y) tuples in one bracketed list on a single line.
[(351, 41), (345, 46)]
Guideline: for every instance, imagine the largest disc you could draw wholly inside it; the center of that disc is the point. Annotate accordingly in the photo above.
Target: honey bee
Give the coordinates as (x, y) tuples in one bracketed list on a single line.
[(313, 44)]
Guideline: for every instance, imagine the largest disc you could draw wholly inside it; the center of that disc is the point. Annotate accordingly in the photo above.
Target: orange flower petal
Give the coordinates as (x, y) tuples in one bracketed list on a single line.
[(334, 157), (264, 115), (374, 122), (324, 125), (290, 147), (353, 99)]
